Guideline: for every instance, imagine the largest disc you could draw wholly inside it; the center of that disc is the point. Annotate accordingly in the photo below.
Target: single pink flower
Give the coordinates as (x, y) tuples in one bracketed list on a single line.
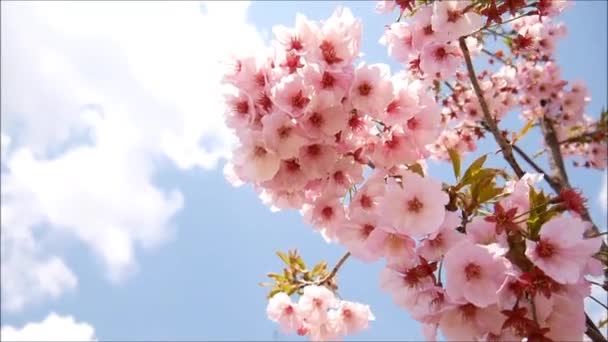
[(290, 177), (372, 89), (414, 207), (280, 309), (254, 162), (355, 233), (473, 273), (368, 197), (323, 118), (440, 60), (282, 135), (300, 39), (292, 95), (317, 160), (352, 317), (437, 244), (399, 39), (403, 106), (325, 214), (314, 303), (345, 174), (393, 246), (562, 252), (394, 148), (450, 23), (466, 322), (338, 40)]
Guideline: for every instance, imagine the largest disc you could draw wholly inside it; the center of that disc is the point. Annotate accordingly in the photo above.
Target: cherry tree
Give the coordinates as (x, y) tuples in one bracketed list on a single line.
[(498, 253)]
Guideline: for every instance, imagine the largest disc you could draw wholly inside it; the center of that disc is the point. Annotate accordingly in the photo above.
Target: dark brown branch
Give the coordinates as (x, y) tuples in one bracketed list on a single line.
[(335, 270), (500, 59), (535, 166), (582, 137), (500, 139), (592, 331), (556, 161)]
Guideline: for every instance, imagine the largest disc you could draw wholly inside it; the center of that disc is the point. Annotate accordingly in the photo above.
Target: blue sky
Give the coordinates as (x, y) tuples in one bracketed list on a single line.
[(194, 275)]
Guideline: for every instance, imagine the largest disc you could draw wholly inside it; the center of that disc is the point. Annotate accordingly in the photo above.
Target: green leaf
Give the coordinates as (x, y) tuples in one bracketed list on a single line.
[(417, 168), (273, 292), (523, 131), (284, 257), (319, 268), (488, 193), (275, 276), (455, 157), (473, 170)]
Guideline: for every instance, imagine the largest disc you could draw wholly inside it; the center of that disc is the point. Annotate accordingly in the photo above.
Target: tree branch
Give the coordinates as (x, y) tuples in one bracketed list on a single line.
[(592, 331), (500, 139), (556, 161), (535, 166), (582, 137), (335, 270)]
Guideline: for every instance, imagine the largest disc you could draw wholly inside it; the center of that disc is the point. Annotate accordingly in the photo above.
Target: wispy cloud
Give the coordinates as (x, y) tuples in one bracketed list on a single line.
[(95, 95)]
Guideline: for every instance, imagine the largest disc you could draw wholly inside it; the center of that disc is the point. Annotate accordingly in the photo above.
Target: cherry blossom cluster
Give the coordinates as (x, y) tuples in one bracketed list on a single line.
[(346, 145), (532, 84), (318, 314), (485, 295)]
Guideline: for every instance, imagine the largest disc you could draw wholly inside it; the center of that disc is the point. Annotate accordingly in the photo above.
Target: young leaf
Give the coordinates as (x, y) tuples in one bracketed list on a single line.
[(284, 257), (523, 131), (455, 157), (417, 168), (471, 172)]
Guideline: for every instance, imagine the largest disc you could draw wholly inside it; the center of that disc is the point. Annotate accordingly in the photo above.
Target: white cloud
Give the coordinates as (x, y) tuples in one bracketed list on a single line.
[(95, 95), (52, 328)]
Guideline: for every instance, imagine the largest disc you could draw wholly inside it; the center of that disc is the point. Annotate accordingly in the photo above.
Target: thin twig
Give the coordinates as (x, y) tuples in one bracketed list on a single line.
[(535, 166), (335, 270), (494, 55), (600, 303), (592, 331), (580, 137), (502, 142)]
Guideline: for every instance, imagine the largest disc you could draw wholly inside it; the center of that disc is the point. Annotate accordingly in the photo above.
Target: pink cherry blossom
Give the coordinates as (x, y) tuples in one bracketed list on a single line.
[(326, 214), (346, 173), (473, 273), (394, 148), (352, 317), (391, 245), (282, 135), (403, 106), (562, 252), (317, 160), (280, 309), (292, 95), (255, 162), (450, 23), (372, 89), (300, 39), (338, 40), (314, 303), (437, 244), (355, 235), (398, 39), (416, 206), (466, 322), (440, 60), (368, 196), (324, 118)]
